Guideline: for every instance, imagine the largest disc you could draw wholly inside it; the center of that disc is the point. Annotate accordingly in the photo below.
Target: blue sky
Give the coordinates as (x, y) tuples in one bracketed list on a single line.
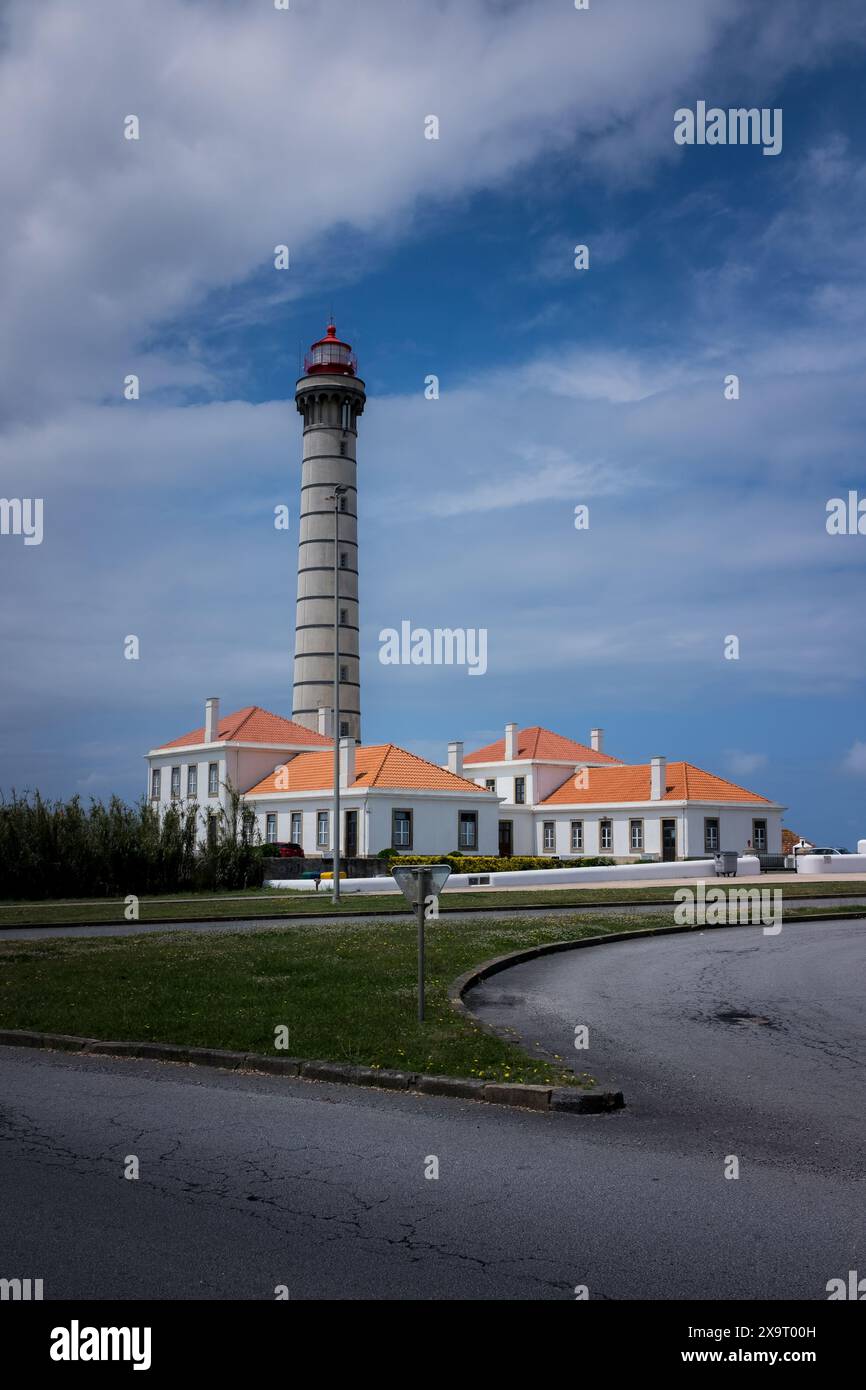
[(452, 257)]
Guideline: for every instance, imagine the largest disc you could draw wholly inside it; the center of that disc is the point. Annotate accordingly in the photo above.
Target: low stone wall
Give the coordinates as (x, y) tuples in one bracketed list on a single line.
[(528, 878), (831, 863)]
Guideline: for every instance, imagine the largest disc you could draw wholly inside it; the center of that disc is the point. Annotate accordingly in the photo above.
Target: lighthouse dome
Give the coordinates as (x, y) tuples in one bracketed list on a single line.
[(331, 354)]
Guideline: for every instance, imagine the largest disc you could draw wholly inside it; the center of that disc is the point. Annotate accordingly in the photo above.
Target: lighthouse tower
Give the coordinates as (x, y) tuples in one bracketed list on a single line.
[(330, 397)]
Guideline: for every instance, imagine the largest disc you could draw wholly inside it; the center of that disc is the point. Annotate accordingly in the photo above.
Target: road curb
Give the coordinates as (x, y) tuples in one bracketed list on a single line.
[(505, 1093), (482, 972)]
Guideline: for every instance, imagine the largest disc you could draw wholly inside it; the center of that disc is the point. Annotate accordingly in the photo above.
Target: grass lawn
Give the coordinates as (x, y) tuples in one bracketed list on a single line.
[(346, 991), (259, 902)]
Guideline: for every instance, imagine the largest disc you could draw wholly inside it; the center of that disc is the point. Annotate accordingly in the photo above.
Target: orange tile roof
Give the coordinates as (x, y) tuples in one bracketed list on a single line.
[(540, 744), (382, 765), (607, 786), (790, 838), (255, 725)]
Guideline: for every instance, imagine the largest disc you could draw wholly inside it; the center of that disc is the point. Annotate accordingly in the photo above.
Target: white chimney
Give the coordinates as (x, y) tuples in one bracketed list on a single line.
[(326, 720), (596, 739), (455, 758), (347, 763), (658, 778), (510, 742), (212, 719)]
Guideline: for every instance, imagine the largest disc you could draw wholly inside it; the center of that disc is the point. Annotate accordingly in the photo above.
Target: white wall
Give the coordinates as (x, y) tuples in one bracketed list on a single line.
[(434, 829), (541, 778), (591, 819), (831, 863), (504, 774), (166, 761), (309, 809), (735, 828), (529, 878), (434, 819), (243, 767), (522, 828)]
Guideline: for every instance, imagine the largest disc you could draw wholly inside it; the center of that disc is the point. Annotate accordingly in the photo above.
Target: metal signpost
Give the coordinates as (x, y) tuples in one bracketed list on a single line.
[(418, 883)]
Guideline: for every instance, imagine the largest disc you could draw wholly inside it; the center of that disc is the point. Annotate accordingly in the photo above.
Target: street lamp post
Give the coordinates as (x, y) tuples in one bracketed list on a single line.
[(339, 491)]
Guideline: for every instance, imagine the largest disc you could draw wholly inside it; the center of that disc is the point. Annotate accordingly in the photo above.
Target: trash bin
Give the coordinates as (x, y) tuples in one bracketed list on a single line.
[(726, 863)]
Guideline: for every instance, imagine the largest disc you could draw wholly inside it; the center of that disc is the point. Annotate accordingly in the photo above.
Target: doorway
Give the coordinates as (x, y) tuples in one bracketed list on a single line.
[(505, 838), (669, 840), (351, 835)]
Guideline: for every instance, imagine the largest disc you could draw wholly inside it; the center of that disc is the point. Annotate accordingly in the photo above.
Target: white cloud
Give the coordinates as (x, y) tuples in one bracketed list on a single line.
[(159, 522), (306, 127), (855, 758), (258, 128), (744, 764)]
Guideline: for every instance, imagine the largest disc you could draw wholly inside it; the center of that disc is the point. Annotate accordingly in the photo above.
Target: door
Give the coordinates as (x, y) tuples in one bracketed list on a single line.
[(669, 840), (351, 835), (505, 838)]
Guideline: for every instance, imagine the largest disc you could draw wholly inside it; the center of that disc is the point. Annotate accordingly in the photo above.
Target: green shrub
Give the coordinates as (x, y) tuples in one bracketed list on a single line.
[(62, 849), (493, 863)]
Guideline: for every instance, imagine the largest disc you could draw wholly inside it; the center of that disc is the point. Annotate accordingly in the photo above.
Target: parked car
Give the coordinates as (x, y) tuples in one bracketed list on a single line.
[(284, 849), (831, 850)]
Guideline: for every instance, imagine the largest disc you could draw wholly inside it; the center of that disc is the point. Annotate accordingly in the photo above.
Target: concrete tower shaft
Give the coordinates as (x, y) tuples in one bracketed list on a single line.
[(330, 398)]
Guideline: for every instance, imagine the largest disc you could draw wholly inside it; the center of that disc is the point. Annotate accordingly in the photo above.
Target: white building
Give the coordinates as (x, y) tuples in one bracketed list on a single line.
[(563, 798), (532, 792), (388, 798), (234, 752)]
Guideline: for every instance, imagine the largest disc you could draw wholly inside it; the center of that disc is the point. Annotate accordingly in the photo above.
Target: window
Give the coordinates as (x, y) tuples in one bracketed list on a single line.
[(759, 836), (401, 829), (605, 834), (344, 728), (577, 834), (347, 416), (248, 825), (211, 828), (192, 780), (155, 780), (344, 559), (297, 834), (213, 779), (635, 835), (175, 783), (343, 497), (467, 830), (519, 791), (549, 834), (711, 835), (343, 453), (344, 616), (344, 673), (271, 829), (490, 784), (323, 837)]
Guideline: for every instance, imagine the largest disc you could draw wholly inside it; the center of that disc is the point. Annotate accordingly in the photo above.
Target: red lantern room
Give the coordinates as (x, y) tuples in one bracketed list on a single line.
[(331, 355)]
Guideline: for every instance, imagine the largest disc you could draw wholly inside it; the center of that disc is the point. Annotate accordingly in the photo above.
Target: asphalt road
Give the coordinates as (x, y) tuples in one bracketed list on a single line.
[(248, 1182), (246, 924), (734, 1033)]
